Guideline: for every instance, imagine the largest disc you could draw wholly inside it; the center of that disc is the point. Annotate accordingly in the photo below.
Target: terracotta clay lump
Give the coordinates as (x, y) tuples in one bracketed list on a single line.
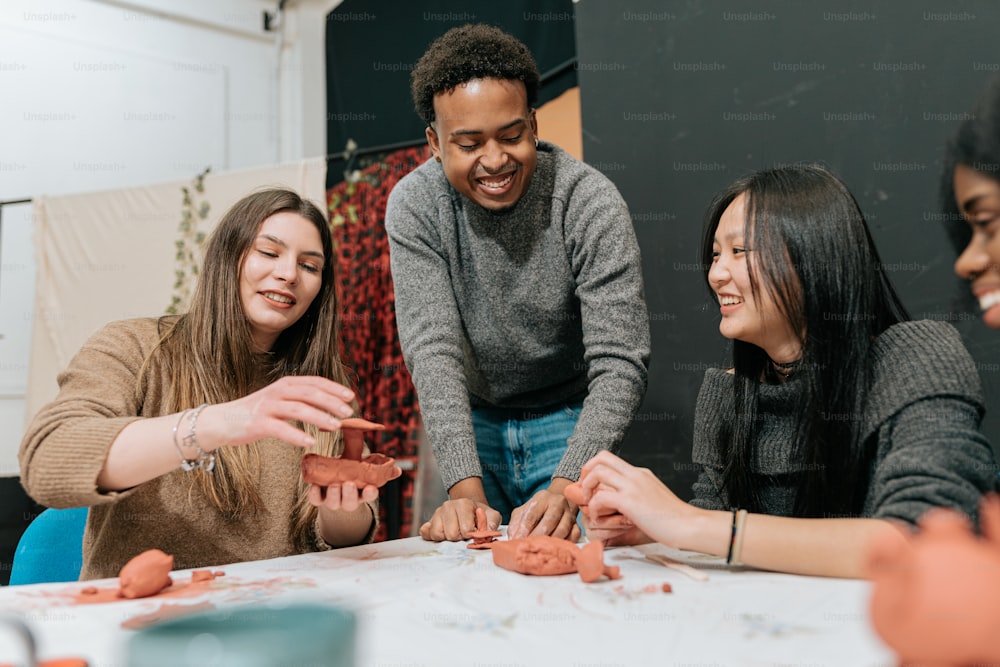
[(546, 555), (146, 574), (374, 469)]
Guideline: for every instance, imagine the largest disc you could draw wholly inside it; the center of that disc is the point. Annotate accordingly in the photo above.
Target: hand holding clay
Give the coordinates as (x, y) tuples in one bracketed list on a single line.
[(546, 513), (630, 505), (455, 520), (362, 471), (934, 599)]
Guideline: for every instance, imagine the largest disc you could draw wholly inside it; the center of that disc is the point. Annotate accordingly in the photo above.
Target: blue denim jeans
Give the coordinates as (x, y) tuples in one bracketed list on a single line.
[(520, 449)]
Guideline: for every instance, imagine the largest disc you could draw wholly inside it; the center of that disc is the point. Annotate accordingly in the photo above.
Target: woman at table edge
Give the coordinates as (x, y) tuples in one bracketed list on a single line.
[(840, 420), (186, 433), (934, 597)]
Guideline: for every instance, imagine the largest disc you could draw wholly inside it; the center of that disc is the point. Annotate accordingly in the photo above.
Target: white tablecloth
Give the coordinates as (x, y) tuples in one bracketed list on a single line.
[(425, 604)]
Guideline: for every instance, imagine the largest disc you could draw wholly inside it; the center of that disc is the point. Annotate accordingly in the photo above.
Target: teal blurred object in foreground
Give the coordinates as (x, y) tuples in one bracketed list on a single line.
[(259, 636)]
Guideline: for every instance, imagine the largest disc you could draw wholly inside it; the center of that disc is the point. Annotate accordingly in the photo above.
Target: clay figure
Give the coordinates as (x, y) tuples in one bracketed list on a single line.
[(374, 469), (483, 537), (935, 593), (546, 555), (146, 574), (590, 563)]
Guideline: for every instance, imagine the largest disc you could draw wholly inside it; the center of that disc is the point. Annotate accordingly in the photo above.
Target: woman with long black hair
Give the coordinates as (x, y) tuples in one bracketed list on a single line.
[(838, 416)]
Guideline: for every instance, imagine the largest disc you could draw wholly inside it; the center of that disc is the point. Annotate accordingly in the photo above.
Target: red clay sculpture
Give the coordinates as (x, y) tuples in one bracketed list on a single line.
[(482, 537), (374, 469), (546, 555)]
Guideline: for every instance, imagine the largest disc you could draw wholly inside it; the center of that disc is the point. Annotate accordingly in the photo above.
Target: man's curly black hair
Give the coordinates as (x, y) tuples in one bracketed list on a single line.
[(470, 52)]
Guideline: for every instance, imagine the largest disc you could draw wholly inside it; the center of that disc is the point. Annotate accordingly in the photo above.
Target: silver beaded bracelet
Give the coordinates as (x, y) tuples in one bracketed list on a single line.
[(205, 460)]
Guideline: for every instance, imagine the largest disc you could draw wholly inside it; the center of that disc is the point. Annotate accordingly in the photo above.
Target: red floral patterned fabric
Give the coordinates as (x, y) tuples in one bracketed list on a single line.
[(369, 340)]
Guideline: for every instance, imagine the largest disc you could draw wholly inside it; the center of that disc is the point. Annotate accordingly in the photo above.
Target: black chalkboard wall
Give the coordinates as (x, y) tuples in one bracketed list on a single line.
[(680, 98)]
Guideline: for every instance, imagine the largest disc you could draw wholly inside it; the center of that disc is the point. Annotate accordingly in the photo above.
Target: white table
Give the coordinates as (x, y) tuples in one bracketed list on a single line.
[(425, 604)]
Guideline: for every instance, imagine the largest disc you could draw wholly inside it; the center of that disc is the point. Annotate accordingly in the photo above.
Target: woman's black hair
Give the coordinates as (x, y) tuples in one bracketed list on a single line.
[(813, 254), (976, 144)]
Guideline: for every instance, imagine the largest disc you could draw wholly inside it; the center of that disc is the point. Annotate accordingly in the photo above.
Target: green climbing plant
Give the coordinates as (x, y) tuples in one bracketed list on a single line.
[(190, 239)]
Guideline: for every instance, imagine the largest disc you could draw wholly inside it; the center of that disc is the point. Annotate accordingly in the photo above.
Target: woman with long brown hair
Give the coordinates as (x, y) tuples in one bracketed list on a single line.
[(186, 433)]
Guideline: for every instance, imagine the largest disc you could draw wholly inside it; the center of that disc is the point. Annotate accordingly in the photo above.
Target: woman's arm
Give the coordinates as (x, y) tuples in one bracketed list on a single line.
[(819, 547), (148, 448)]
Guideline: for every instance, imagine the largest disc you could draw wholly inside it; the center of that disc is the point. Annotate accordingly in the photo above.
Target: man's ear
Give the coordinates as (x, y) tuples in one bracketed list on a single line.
[(534, 123), (433, 142)]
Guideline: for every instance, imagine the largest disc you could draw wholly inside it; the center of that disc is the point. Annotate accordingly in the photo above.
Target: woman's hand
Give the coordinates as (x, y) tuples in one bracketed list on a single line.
[(346, 513), (630, 505), (268, 411), (342, 497)]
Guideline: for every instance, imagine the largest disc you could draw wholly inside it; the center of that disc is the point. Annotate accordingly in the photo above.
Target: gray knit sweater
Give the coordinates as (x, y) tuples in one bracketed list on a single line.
[(922, 414), (530, 307)]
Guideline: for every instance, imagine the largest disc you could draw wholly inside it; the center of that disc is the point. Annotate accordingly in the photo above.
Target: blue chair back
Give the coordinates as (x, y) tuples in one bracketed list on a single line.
[(51, 548)]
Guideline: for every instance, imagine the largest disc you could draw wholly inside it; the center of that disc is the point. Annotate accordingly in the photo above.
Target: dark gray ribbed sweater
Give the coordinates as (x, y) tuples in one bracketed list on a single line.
[(530, 307), (923, 410)]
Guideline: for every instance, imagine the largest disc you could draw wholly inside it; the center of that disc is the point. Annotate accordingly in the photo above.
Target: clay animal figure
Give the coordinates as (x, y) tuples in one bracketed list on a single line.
[(546, 555), (483, 537), (374, 469), (936, 594)]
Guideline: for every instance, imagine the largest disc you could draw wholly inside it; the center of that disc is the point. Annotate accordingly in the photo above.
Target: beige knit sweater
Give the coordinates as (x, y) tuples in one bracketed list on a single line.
[(66, 445)]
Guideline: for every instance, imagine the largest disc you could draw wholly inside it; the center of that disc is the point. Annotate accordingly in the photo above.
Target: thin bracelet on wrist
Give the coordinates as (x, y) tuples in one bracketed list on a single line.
[(732, 538), (187, 465), (204, 460), (739, 531)]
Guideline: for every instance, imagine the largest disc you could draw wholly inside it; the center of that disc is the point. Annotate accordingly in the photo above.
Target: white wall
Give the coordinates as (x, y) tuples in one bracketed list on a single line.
[(104, 94)]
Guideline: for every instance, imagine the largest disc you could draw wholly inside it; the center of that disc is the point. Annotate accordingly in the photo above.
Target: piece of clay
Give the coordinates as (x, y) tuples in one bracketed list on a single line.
[(146, 574), (537, 554), (934, 594), (590, 563), (667, 588), (89, 590), (545, 555), (374, 469), (203, 575), (482, 537), (354, 441)]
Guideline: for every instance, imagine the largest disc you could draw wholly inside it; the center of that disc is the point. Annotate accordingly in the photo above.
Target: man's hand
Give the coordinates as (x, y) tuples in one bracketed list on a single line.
[(547, 513), (455, 519)]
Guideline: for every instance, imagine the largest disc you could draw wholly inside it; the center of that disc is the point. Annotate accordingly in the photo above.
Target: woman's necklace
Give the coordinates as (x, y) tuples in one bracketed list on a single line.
[(785, 370)]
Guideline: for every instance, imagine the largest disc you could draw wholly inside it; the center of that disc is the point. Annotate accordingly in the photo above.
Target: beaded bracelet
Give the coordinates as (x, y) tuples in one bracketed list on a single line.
[(739, 532), (205, 460)]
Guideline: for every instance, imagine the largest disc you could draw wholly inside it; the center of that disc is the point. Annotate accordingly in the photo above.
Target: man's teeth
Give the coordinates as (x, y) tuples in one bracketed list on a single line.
[(280, 298), (989, 300), (729, 300), (497, 185)]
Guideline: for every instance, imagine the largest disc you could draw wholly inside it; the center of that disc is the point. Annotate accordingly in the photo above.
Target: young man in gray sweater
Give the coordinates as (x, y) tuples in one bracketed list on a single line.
[(519, 296)]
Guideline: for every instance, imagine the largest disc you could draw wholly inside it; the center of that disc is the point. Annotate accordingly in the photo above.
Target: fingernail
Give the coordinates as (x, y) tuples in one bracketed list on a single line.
[(346, 411)]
